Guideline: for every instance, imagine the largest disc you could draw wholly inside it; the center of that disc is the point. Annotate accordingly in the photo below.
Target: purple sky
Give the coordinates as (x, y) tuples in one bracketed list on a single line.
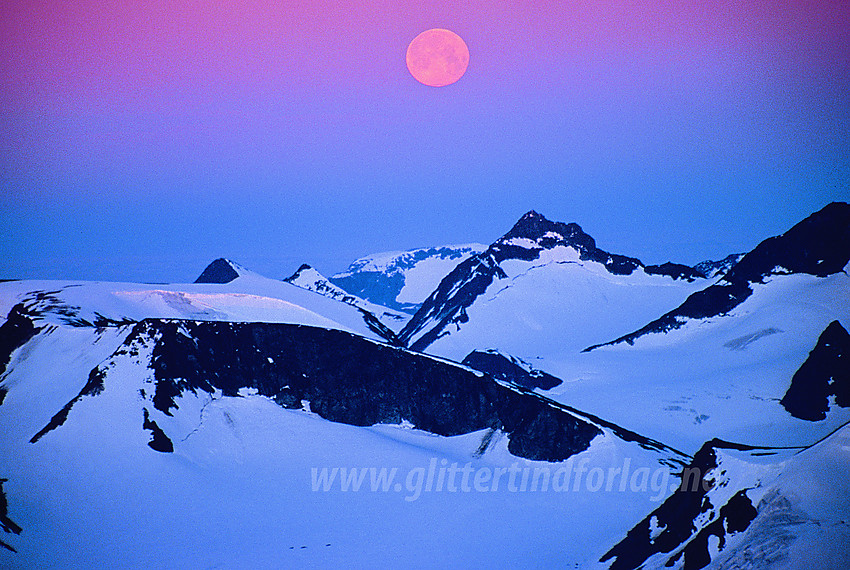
[(140, 140)]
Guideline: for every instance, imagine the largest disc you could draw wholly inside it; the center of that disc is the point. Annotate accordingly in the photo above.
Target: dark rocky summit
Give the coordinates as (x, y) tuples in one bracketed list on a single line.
[(825, 373), (219, 271), (819, 245), (531, 235), (675, 270)]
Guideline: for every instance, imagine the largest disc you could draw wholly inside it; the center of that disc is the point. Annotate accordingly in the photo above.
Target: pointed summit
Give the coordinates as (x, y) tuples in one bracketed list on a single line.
[(533, 233), (219, 271), (533, 225)]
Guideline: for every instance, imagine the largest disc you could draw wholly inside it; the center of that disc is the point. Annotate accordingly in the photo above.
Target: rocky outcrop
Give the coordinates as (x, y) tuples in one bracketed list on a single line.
[(219, 271), (825, 373), (344, 377), (704, 505), (819, 245), (502, 367)]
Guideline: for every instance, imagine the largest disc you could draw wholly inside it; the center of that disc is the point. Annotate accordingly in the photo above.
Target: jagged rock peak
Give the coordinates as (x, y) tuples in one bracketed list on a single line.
[(819, 245), (219, 271), (533, 225)]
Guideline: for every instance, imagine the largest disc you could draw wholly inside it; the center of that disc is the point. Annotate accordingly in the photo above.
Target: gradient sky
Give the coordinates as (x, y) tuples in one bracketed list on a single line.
[(141, 140)]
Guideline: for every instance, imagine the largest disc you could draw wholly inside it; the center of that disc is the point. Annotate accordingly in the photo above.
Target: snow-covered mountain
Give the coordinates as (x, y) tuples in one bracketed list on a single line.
[(740, 506), (402, 280), (167, 442), (753, 358), (242, 421), (819, 245), (308, 278), (541, 289), (249, 297)]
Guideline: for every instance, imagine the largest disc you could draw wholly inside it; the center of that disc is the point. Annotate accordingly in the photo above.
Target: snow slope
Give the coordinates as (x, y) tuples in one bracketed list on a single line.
[(402, 280), (308, 278), (717, 377), (237, 487), (542, 289), (557, 304), (249, 298), (745, 507)]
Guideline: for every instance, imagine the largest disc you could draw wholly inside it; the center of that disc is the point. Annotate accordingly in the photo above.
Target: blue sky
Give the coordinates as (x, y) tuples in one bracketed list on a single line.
[(143, 140)]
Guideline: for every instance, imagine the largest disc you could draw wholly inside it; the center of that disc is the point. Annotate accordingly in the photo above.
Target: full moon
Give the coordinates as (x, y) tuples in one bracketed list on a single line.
[(437, 57)]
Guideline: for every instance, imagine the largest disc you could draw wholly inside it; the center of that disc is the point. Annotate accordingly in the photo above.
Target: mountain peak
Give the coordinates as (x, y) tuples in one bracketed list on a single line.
[(305, 268), (532, 214), (533, 225), (219, 271)]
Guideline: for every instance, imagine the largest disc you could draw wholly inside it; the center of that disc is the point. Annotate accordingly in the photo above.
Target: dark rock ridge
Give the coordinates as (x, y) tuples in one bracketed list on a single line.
[(675, 522), (825, 373), (7, 524), (219, 271), (501, 367), (819, 245), (14, 333), (710, 269), (675, 270), (383, 287), (345, 378), (531, 235)]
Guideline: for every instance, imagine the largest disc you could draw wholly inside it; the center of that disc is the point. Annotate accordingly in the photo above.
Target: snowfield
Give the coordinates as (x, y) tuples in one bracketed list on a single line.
[(536, 403)]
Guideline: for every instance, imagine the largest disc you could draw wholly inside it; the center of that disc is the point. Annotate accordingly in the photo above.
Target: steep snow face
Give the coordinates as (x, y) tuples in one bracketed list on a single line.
[(308, 278), (819, 245), (166, 441), (716, 377), (745, 507), (553, 305), (542, 288), (402, 280)]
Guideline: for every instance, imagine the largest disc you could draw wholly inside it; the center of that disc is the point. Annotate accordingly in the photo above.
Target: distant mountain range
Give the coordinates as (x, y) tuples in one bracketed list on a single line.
[(637, 416)]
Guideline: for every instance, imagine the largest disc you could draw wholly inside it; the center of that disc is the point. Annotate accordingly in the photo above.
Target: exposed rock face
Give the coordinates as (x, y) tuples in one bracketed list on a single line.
[(14, 333), (682, 526), (825, 373), (819, 245), (675, 270), (528, 238), (345, 378), (501, 367), (7, 524), (546, 234), (710, 269), (219, 271)]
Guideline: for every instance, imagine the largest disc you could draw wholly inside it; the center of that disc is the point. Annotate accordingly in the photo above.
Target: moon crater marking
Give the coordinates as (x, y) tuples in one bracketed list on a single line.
[(437, 57)]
